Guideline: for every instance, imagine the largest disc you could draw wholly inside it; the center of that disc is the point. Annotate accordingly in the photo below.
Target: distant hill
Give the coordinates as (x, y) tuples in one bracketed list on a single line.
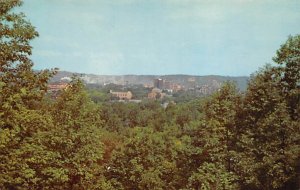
[(188, 81)]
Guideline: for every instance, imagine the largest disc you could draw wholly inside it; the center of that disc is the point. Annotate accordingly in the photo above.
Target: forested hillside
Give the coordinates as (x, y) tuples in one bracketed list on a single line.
[(229, 140)]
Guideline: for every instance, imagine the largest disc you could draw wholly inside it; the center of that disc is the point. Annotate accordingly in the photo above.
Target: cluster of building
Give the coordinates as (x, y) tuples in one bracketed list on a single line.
[(166, 85), (58, 86), (122, 95), (156, 93), (54, 89), (160, 85), (159, 89)]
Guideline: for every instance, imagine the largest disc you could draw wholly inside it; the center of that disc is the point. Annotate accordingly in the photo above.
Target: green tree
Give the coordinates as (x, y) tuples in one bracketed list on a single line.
[(212, 137), (21, 92), (76, 138), (269, 145), (288, 58), (212, 176), (69, 153), (97, 96), (149, 160)]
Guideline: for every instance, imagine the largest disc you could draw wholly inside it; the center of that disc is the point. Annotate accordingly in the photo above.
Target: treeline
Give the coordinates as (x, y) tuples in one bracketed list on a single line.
[(226, 141)]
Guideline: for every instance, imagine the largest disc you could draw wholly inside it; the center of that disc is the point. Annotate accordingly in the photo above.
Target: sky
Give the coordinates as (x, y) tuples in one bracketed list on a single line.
[(196, 37)]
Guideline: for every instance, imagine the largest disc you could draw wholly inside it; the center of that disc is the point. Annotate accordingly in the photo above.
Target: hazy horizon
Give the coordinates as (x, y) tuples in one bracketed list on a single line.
[(155, 74), (139, 37)]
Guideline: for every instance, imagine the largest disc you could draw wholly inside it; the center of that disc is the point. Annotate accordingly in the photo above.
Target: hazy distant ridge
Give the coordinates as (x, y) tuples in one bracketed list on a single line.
[(184, 80)]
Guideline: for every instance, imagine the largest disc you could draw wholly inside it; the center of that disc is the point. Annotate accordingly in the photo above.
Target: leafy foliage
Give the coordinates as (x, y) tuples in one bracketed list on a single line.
[(226, 141)]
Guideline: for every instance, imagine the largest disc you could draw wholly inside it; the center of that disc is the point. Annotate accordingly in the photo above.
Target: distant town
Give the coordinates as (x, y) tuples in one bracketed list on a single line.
[(135, 88)]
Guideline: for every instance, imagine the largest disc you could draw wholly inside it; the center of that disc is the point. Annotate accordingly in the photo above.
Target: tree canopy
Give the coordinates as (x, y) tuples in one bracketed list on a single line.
[(230, 140)]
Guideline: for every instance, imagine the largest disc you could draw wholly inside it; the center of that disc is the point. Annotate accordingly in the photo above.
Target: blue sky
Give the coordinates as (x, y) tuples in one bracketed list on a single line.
[(197, 37)]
